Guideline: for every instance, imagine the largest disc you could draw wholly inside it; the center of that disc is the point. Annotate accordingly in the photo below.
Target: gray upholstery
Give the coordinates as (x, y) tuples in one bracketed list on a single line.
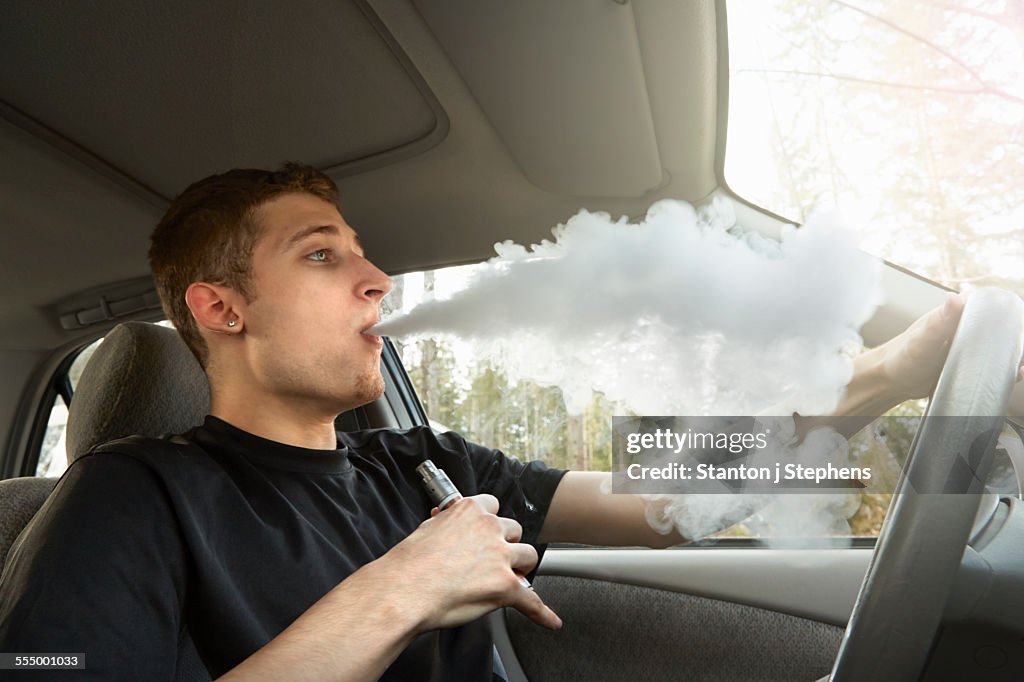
[(20, 499), (141, 380), (618, 632)]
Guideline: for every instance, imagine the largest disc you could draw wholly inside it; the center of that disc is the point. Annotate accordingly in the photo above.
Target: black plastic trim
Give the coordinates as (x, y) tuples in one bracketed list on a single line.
[(59, 385), (399, 391)]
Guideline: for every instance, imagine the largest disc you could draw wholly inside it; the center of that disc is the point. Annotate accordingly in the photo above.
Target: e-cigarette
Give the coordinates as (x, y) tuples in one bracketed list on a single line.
[(440, 488), (444, 493)]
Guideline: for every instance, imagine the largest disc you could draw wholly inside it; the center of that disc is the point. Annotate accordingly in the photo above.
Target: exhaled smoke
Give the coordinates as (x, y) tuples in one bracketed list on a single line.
[(788, 516), (673, 315)]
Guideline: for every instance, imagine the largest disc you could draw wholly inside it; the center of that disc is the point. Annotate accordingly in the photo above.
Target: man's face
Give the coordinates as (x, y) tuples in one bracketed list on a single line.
[(314, 293)]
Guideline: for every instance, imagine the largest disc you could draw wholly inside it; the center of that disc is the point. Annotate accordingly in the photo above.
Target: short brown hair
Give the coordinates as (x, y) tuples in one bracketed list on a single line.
[(209, 232)]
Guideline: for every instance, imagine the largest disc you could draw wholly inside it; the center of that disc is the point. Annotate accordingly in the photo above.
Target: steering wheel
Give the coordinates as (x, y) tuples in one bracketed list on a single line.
[(903, 596)]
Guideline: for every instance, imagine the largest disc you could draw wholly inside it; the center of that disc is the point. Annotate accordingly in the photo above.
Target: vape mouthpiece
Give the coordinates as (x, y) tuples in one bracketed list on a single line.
[(440, 488)]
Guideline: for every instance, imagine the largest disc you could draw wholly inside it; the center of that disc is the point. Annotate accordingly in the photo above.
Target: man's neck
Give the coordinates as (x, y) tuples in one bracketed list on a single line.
[(277, 420)]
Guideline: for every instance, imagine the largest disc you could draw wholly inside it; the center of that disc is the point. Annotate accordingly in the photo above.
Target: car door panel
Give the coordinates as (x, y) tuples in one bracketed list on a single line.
[(693, 614)]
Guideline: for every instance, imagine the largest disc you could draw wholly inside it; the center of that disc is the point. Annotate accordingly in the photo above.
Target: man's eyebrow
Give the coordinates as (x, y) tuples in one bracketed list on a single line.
[(307, 232)]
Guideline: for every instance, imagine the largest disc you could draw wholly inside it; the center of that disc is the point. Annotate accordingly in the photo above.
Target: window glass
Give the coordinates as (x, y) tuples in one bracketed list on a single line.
[(466, 390), (53, 457), (905, 115)]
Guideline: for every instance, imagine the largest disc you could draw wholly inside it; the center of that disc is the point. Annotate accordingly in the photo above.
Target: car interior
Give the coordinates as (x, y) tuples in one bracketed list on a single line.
[(450, 125)]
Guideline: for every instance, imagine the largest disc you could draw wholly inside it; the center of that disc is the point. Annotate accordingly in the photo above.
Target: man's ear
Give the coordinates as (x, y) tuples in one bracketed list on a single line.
[(213, 307)]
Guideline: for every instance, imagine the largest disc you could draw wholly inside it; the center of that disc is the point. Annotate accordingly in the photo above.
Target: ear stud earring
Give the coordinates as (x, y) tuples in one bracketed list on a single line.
[(232, 323)]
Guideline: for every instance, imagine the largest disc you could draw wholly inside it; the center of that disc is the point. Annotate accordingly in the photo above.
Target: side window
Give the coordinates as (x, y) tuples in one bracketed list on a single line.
[(466, 389), (53, 458)]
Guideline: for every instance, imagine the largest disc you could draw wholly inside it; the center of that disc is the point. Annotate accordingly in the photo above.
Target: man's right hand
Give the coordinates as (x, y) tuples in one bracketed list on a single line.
[(463, 563), (457, 566)]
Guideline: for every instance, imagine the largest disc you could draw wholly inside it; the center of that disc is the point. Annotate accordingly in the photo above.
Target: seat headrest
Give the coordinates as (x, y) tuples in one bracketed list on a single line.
[(142, 380)]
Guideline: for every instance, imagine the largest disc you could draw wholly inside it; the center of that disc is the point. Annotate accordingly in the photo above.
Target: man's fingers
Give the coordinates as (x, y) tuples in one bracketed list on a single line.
[(524, 558), (530, 605), (512, 530), (489, 503), (956, 301), (949, 314)]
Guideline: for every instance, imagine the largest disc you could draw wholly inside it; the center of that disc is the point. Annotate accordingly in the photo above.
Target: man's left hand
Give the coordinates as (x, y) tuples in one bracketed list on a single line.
[(913, 360)]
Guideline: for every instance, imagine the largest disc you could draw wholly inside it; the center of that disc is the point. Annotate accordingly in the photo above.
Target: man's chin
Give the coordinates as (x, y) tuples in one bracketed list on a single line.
[(368, 389)]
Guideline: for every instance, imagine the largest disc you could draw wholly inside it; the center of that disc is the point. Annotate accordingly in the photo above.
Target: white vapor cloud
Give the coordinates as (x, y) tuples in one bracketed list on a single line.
[(674, 315)]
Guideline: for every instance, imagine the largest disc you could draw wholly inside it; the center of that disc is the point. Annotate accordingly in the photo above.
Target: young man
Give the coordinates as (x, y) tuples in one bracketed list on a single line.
[(290, 551)]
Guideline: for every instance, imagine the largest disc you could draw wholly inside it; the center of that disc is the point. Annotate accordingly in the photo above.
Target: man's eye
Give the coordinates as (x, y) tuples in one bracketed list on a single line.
[(320, 255)]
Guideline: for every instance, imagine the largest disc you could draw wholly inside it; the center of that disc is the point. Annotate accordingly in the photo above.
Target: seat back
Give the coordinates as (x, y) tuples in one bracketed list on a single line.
[(142, 380), (20, 499)]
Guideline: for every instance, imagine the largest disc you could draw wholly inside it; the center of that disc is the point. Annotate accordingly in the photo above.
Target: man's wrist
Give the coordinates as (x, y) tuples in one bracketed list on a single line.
[(389, 585), (354, 632), (872, 391), (875, 388)]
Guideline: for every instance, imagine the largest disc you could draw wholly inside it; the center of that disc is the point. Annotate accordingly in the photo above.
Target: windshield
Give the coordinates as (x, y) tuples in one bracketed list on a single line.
[(907, 116)]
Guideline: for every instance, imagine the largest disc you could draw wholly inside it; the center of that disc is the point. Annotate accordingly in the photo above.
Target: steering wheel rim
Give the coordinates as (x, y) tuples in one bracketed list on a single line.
[(899, 606)]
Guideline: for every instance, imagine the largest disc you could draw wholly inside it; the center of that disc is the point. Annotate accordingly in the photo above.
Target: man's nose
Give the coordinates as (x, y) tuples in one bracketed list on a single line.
[(376, 285)]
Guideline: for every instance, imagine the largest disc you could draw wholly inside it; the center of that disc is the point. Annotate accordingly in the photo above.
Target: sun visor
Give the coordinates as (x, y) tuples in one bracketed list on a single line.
[(563, 85), (250, 84)]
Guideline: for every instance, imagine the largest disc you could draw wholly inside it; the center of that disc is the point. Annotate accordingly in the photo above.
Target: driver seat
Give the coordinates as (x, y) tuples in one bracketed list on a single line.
[(141, 380)]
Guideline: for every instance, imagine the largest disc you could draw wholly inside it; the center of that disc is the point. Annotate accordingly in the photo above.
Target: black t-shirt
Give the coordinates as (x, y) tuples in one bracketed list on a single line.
[(233, 537)]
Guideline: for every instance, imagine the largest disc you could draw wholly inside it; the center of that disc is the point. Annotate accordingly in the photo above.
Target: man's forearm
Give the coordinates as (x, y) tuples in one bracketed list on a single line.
[(869, 395), (581, 512), (456, 567), (354, 632)]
